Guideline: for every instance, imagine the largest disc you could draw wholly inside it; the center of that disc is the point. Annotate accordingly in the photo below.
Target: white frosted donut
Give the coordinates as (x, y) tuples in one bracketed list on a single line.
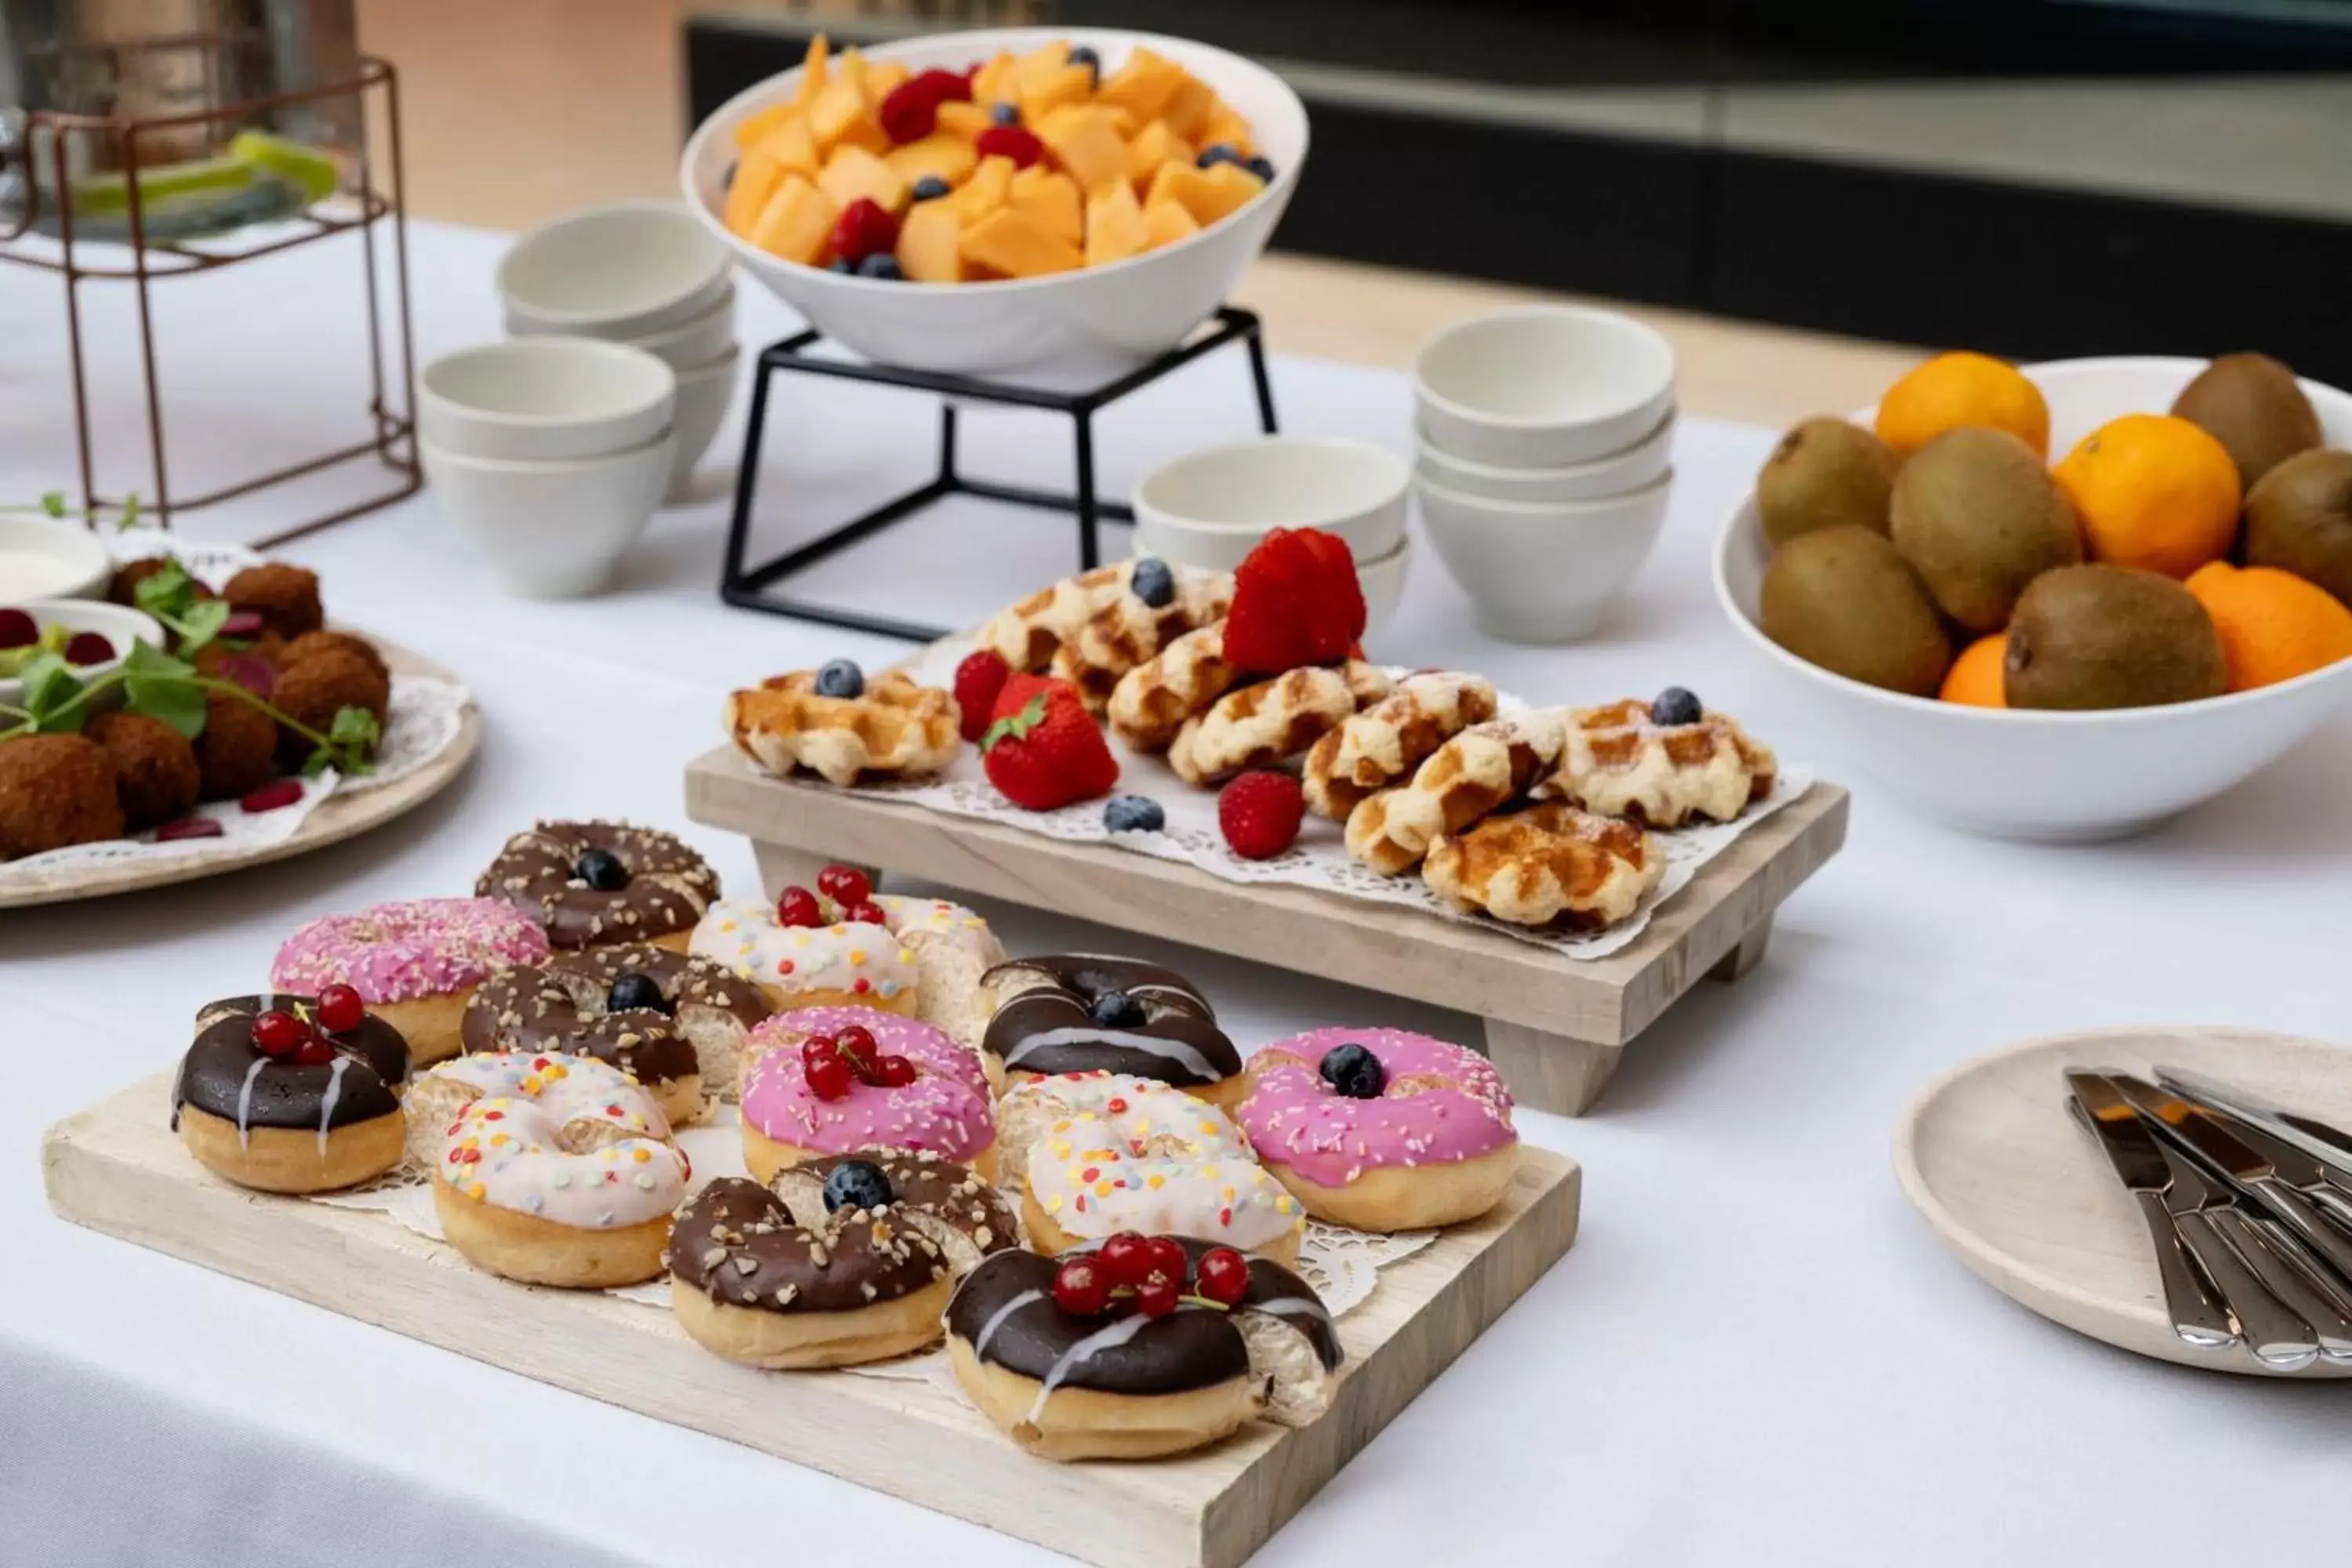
[(1096, 1153), (953, 948), (845, 965)]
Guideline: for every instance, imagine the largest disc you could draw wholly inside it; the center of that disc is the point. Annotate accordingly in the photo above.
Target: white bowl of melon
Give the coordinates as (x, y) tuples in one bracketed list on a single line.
[(1109, 244)]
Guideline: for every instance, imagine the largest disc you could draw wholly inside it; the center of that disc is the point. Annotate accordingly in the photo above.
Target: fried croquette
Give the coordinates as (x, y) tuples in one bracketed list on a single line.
[(311, 644), (314, 690), (238, 751), (55, 790), (285, 597), (155, 774)]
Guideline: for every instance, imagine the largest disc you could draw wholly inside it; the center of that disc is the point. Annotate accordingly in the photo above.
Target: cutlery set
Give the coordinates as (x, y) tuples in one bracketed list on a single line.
[(2248, 1206)]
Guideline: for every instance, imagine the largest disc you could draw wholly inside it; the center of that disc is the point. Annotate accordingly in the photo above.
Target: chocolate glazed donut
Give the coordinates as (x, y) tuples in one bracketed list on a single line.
[(286, 1126), (846, 1259), (1086, 1013), (591, 882), (1128, 1386)]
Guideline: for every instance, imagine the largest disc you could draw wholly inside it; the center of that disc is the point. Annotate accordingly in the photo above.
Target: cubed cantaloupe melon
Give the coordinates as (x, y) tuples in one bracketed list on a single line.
[(844, 110), (1223, 126), (793, 147), (1143, 85), (882, 76), (929, 244), (756, 128), (757, 176), (816, 69), (1041, 95), (1153, 145), (1115, 226), (1050, 198), (1010, 241), (795, 222), (1207, 194), (942, 155), (1189, 107), (965, 119), (1042, 61), (985, 191), (852, 172), (993, 83), (1087, 145), (1169, 220)]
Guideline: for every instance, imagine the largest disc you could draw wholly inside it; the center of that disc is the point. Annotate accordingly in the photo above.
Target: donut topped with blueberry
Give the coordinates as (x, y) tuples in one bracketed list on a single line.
[(594, 882), (656, 1013), (1088, 1013)]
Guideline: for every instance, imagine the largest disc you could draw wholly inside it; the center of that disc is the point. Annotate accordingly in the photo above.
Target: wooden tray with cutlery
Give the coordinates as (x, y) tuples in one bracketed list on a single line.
[(118, 1168), (1556, 1027)]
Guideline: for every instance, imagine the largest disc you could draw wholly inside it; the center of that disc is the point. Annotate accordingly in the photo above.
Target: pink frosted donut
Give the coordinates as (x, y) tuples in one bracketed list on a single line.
[(945, 1111), (1418, 1135), (414, 964)]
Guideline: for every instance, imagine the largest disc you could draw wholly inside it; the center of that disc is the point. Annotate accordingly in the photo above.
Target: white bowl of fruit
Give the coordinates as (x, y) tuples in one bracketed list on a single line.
[(1055, 201)]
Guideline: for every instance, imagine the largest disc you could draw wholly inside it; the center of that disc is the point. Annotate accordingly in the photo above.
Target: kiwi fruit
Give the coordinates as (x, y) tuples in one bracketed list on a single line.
[(1825, 473), (2110, 636), (2253, 406), (1842, 598), (1978, 517), (2299, 519)]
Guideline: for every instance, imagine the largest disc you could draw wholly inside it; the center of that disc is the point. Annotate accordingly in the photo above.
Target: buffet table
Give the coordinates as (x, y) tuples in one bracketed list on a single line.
[(1757, 1353)]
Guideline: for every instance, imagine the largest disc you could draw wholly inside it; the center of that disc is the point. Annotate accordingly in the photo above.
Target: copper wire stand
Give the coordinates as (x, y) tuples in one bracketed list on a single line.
[(354, 210)]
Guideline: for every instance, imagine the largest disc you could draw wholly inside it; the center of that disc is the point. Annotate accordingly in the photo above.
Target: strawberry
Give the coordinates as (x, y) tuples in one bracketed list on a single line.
[(1044, 749), (1295, 601), (978, 680), (1260, 813)]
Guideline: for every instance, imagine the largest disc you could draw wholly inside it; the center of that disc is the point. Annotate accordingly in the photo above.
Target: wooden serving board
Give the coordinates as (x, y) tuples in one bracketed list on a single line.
[(118, 1168), (1555, 1027), (339, 817)]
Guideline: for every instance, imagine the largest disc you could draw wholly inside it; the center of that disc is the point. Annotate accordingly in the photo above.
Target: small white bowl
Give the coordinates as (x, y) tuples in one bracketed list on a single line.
[(705, 392), (1210, 508), (617, 271), (552, 529), (48, 558), (691, 344), (1383, 583), (2027, 775), (1543, 573), (1542, 387), (542, 399), (1636, 467), (120, 624)]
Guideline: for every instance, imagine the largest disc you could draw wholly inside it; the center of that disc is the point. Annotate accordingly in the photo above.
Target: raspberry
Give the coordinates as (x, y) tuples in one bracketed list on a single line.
[(978, 680), (863, 229), (1015, 142), (1296, 601), (1260, 813)]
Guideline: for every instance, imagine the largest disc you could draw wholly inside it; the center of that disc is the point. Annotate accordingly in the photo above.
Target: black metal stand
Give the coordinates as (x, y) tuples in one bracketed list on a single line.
[(745, 586)]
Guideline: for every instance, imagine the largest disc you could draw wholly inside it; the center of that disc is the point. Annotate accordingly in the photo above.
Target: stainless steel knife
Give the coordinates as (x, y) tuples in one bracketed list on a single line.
[(2327, 1147), (2243, 1166), (2199, 1315)]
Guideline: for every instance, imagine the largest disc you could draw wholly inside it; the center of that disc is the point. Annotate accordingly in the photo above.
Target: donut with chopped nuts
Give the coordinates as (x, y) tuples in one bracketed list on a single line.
[(590, 883), (837, 1262)]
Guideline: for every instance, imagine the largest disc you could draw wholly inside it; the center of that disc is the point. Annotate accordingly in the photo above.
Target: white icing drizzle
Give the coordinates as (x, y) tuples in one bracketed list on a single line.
[(1174, 1050), (1103, 1339), (1290, 1306), (997, 1320), (327, 1101), (244, 1103)]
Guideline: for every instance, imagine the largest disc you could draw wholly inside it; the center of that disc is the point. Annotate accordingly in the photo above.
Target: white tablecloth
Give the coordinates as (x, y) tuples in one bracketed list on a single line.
[(1756, 1354)]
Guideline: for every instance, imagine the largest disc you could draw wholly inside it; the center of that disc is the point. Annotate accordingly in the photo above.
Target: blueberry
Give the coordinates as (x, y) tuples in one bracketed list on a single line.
[(633, 992), (1262, 167), (1675, 705), (1084, 55), (1116, 1010), (1133, 814), (1152, 582), (882, 265), (841, 678), (1005, 113), (1217, 152), (1354, 1071), (857, 1185), (601, 870), (930, 189), (840, 264)]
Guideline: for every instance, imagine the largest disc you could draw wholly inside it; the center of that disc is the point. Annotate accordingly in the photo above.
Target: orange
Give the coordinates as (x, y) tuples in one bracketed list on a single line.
[(1976, 676), (2273, 624), (1960, 389), (2153, 492)]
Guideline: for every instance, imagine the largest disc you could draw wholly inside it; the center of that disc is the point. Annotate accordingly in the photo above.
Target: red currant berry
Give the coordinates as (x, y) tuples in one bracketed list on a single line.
[(894, 1072), (278, 1033), (845, 884), (1223, 1276), (866, 913), (817, 1047), (798, 907), (856, 1041), (1125, 1257), (341, 1010), (313, 1052), (828, 1078), (1156, 1297), (1165, 1254), (1081, 1287)]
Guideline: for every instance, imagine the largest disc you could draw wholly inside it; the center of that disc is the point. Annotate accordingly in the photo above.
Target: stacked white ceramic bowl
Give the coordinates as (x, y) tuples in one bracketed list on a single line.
[(642, 273), (1211, 507), (1544, 459)]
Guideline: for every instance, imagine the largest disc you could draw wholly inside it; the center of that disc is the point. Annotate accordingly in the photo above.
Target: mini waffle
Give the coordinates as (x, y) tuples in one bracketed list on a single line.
[(1550, 864), (1125, 632), (1619, 762), (895, 727), (1271, 719), (1381, 745), (1485, 767), (1151, 702)]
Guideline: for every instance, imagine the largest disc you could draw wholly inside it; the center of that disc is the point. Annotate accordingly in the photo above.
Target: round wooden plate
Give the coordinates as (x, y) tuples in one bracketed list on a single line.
[(339, 817), (1991, 1156)]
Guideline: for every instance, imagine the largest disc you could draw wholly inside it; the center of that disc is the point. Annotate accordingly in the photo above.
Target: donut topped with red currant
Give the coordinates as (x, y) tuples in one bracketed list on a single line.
[(594, 882), (1139, 1346), (293, 1093)]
